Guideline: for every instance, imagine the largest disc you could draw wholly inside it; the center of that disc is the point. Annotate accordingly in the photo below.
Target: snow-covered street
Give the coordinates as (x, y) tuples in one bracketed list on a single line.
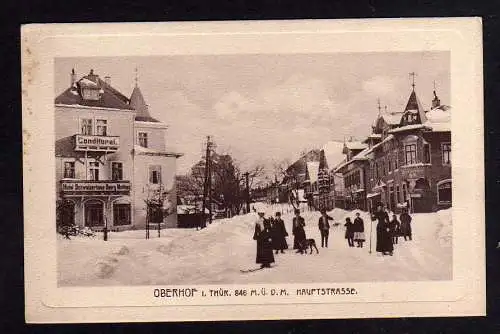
[(218, 253)]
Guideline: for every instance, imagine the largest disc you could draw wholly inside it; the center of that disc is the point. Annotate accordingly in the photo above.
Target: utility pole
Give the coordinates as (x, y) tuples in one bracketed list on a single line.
[(247, 183), (207, 184)]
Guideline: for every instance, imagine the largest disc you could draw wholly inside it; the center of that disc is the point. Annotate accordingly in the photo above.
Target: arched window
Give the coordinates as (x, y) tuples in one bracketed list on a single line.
[(444, 192)]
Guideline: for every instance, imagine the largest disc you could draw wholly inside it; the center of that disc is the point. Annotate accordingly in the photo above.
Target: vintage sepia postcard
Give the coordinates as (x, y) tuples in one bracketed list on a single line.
[(253, 170)]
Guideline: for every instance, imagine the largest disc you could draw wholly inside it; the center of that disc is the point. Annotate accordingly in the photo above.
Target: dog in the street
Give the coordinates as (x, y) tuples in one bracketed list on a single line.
[(308, 243)]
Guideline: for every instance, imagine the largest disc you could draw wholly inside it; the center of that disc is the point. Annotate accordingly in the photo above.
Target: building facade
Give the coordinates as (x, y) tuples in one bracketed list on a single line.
[(407, 162), (112, 166)]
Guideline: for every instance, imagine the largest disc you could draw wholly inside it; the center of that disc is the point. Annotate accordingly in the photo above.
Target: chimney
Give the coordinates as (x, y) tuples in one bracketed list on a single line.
[(73, 77), (107, 80)]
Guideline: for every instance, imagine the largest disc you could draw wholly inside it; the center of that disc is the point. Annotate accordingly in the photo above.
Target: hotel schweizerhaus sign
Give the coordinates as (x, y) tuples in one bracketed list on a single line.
[(107, 188)]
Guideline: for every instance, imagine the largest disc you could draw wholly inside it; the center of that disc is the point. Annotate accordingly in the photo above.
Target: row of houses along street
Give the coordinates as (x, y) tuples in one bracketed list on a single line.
[(404, 162)]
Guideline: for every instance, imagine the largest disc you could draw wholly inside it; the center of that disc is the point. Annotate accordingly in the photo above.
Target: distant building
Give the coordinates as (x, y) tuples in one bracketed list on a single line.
[(111, 158)]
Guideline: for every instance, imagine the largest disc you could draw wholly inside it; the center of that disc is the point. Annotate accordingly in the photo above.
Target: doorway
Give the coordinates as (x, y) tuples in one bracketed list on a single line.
[(94, 213)]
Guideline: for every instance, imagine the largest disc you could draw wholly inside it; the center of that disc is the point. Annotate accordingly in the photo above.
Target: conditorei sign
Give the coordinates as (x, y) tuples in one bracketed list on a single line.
[(96, 143), (79, 188)]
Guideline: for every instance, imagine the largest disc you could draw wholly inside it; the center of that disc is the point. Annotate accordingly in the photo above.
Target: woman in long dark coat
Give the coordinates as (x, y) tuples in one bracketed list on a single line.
[(349, 231), (279, 234), (405, 224), (263, 236), (298, 231), (384, 232)]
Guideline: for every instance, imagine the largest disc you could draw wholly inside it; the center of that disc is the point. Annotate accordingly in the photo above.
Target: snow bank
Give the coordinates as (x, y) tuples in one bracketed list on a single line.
[(218, 253)]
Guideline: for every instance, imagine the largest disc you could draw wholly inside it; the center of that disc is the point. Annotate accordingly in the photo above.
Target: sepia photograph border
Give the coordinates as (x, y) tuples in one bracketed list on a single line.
[(41, 44)]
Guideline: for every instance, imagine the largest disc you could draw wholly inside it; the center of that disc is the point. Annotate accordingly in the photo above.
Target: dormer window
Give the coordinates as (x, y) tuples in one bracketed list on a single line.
[(91, 94)]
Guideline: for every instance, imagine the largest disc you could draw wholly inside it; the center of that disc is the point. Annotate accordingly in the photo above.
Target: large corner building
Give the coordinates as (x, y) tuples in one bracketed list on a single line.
[(112, 164)]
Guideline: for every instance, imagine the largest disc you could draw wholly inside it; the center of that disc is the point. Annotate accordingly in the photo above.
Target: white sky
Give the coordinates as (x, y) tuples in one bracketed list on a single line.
[(265, 108)]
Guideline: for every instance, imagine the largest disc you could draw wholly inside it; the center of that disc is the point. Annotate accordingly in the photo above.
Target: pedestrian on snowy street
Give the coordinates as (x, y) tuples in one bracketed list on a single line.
[(263, 236), (359, 230), (279, 234), (324, 227), (396, 229), (405, 219), (349, 233), (384, 235), (299, 234)]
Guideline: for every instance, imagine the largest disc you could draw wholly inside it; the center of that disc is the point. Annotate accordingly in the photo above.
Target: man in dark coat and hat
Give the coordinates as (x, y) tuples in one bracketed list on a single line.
[(263, 236), (324, 227), (384, 232), (279, 234), (298, 231)]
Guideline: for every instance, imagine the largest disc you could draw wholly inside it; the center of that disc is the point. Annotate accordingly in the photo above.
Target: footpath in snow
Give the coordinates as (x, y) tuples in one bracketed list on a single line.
[(218, 253)]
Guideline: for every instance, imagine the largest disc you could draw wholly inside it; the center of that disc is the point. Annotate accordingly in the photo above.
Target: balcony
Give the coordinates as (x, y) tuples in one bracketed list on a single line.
[(97, 143), (94, 188)]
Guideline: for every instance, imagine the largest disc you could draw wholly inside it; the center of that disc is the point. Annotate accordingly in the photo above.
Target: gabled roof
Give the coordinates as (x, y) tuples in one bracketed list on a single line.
[(313, 168), (109, 97)]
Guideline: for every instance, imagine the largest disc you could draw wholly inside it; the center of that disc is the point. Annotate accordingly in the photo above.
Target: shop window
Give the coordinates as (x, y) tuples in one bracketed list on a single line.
[(143, 139), (411, 154), (86, 126), (101, 127), (121, 214), (155, 174), (94, 170), (69, 169), (446, 148), (444, 192), (116, 171)]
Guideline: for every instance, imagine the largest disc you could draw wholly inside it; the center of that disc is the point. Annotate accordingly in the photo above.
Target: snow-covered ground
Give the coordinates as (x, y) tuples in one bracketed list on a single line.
[(218, 253)]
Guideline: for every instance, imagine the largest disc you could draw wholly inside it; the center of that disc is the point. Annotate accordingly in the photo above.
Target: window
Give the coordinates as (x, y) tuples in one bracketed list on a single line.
[(404, 193), (411, 154), (94, 170), (427, 153), (101, 127), (121, 214), (143, 139), (155, 174), (69, 170), (397, 194), (446, 148), (116, 171), (395, 159), (87, 126), (444, 192), (389, 164)]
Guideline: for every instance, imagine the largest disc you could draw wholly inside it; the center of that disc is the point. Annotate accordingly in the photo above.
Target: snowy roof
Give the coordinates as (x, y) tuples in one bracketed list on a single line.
[(333, 152), (360, 156), (144, 150), (313, 168), (355, 145), (407, 127), (439, 119), (392, 118), (388, 138), (109, 98)]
